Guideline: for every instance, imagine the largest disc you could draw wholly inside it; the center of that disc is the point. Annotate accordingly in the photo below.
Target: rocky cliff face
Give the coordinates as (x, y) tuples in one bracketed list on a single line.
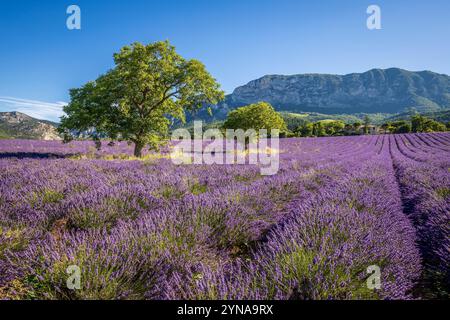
[(389, 91), (21, 126)]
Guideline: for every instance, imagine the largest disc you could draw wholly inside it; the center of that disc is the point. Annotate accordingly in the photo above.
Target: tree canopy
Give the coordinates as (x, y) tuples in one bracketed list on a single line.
[(256, 116), (366, 124), (400, 126), (420, 123), (149, 86), (320, 128)]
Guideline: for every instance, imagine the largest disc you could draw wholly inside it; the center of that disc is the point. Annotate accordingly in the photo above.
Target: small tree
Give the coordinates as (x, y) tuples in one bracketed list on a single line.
[(319, 129), (149, 85), (401, 126), (417, 123), (387, 127), (333, 127), (366, 124), (305, 130), (356, 126), (436, 126), (256, 116), (423, 124)]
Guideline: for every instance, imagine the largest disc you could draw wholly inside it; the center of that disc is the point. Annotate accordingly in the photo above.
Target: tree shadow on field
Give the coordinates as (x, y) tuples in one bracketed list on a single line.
[(33, 155)]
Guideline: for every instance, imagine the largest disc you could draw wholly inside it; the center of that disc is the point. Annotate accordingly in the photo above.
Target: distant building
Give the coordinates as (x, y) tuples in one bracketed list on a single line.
[(350, 130), (371, 129)]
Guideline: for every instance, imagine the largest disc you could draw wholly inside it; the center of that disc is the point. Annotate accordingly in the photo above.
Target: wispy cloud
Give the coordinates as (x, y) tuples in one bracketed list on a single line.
[(37, 109)]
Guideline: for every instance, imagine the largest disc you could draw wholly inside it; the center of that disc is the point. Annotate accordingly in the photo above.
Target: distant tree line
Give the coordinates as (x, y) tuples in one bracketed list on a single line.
[(323, 128), (418, 123), (263, 115), (320, 128)]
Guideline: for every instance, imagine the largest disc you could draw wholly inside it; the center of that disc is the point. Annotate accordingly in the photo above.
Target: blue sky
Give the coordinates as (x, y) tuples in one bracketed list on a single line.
[(237, 40)]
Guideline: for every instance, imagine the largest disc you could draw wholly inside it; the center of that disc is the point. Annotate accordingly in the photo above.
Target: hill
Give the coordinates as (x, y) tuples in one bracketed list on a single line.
[(441, 116), (17, 125)]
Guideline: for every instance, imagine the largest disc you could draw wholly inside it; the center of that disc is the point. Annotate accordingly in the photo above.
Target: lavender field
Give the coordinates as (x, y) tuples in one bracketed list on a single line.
[(154, 230)]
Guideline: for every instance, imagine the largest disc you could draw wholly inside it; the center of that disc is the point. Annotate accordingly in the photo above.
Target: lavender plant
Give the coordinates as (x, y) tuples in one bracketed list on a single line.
[(148, 229)]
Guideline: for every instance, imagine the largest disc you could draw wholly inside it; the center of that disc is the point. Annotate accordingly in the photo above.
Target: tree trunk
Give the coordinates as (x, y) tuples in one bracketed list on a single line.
[(138, 146)]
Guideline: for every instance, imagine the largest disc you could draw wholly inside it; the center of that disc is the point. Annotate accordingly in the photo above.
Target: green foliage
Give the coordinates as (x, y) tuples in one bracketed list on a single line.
[(404, 128), (305, 130), (444, 193), (417, 123), (136, 100), (198, 188), (357, 124), (24, 127), (4, 134), (320, 129), (46, 196), (420, 123), (52, 196), (12, 240), (401, 126), (333, 127), (366, 124), (296, 120), (255, 116), (205, 126), (440, 116)]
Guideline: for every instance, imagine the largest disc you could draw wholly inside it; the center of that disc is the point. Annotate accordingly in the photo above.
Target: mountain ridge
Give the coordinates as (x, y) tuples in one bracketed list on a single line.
[(391, 90)]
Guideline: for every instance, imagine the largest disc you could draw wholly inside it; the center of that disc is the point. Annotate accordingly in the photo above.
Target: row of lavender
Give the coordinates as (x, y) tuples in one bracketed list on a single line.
[(159, 231), (422, 164)]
